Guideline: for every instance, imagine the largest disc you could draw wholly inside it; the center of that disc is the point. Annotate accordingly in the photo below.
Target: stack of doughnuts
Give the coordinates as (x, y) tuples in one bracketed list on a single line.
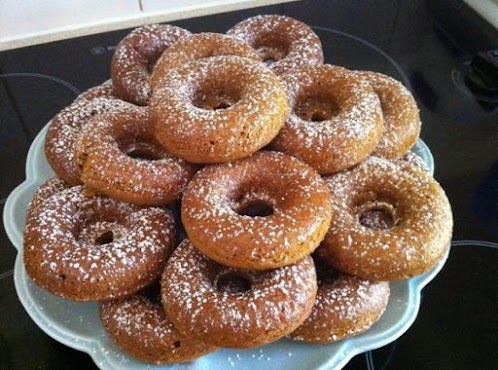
[(231, 190)]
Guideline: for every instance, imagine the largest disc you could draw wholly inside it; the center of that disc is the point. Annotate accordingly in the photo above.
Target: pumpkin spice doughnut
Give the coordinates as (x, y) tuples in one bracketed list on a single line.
[(218, 109), (345, 306), (262, 212), (135, 57), (65, 128), (139, 325), (235, 308), (89, 249), (401, 115), (284, 42), (119, 157), (335, 120), (198, 46), (390, 220)]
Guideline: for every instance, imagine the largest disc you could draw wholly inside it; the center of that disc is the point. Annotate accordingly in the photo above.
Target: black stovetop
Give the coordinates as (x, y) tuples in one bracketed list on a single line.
[(426, 44)]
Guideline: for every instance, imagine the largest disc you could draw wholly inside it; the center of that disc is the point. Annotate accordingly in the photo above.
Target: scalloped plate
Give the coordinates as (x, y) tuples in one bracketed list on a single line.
[(77, 325)]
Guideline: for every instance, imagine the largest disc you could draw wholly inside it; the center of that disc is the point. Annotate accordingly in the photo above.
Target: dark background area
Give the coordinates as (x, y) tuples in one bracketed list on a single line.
[(429, 45)]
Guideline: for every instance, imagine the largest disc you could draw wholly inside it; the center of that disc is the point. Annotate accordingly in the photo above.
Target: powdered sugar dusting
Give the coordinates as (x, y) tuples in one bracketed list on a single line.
[(400, 112), (50, 187), (342, 140), (288, 41), (142, 327), (199, 46), (297, 225), (65, 128), (256, 113), (60, 256), (422, 214), (277, 300), (129, 319), (107, 168), (104, 90), (345, 306), (135, 56)]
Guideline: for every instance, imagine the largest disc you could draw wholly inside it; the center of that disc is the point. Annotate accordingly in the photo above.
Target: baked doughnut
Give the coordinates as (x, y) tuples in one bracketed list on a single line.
[(139, 326), (390, 221), (401, 115), (104, 90), (65, 128), (88, 249), (120, 158), (262, 212), (235, 308), (198, 46), (335, 120), (218, 109), (50, 187), (135, 57), (345, 306), (283, 42)]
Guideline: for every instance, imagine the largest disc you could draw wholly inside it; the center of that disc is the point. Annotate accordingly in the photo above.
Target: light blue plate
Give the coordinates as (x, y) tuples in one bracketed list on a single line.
[(77, 325)]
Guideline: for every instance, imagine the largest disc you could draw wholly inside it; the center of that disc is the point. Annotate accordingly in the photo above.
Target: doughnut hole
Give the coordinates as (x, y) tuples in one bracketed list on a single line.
[(253, 203), (105, 238), (316, 104), (133, 139), (214, 93), (377, 215), (136, 145), (100, 232), (256, 208), (232, 282), (144, 151), (271, 49)]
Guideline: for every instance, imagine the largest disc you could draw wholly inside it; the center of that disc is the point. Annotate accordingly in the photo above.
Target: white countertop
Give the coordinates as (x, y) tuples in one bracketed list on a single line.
[(31, 22)]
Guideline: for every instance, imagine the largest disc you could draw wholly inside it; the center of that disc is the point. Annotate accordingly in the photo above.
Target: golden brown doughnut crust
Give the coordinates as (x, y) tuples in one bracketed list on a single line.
[(284, 40), (272, 304), (218, 109), (120, 158), (401, 115), (345, 306), (89, 249), (199, 46), (296, 197), (421, 215), (141, 328), (335, 120), (135, 56)]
